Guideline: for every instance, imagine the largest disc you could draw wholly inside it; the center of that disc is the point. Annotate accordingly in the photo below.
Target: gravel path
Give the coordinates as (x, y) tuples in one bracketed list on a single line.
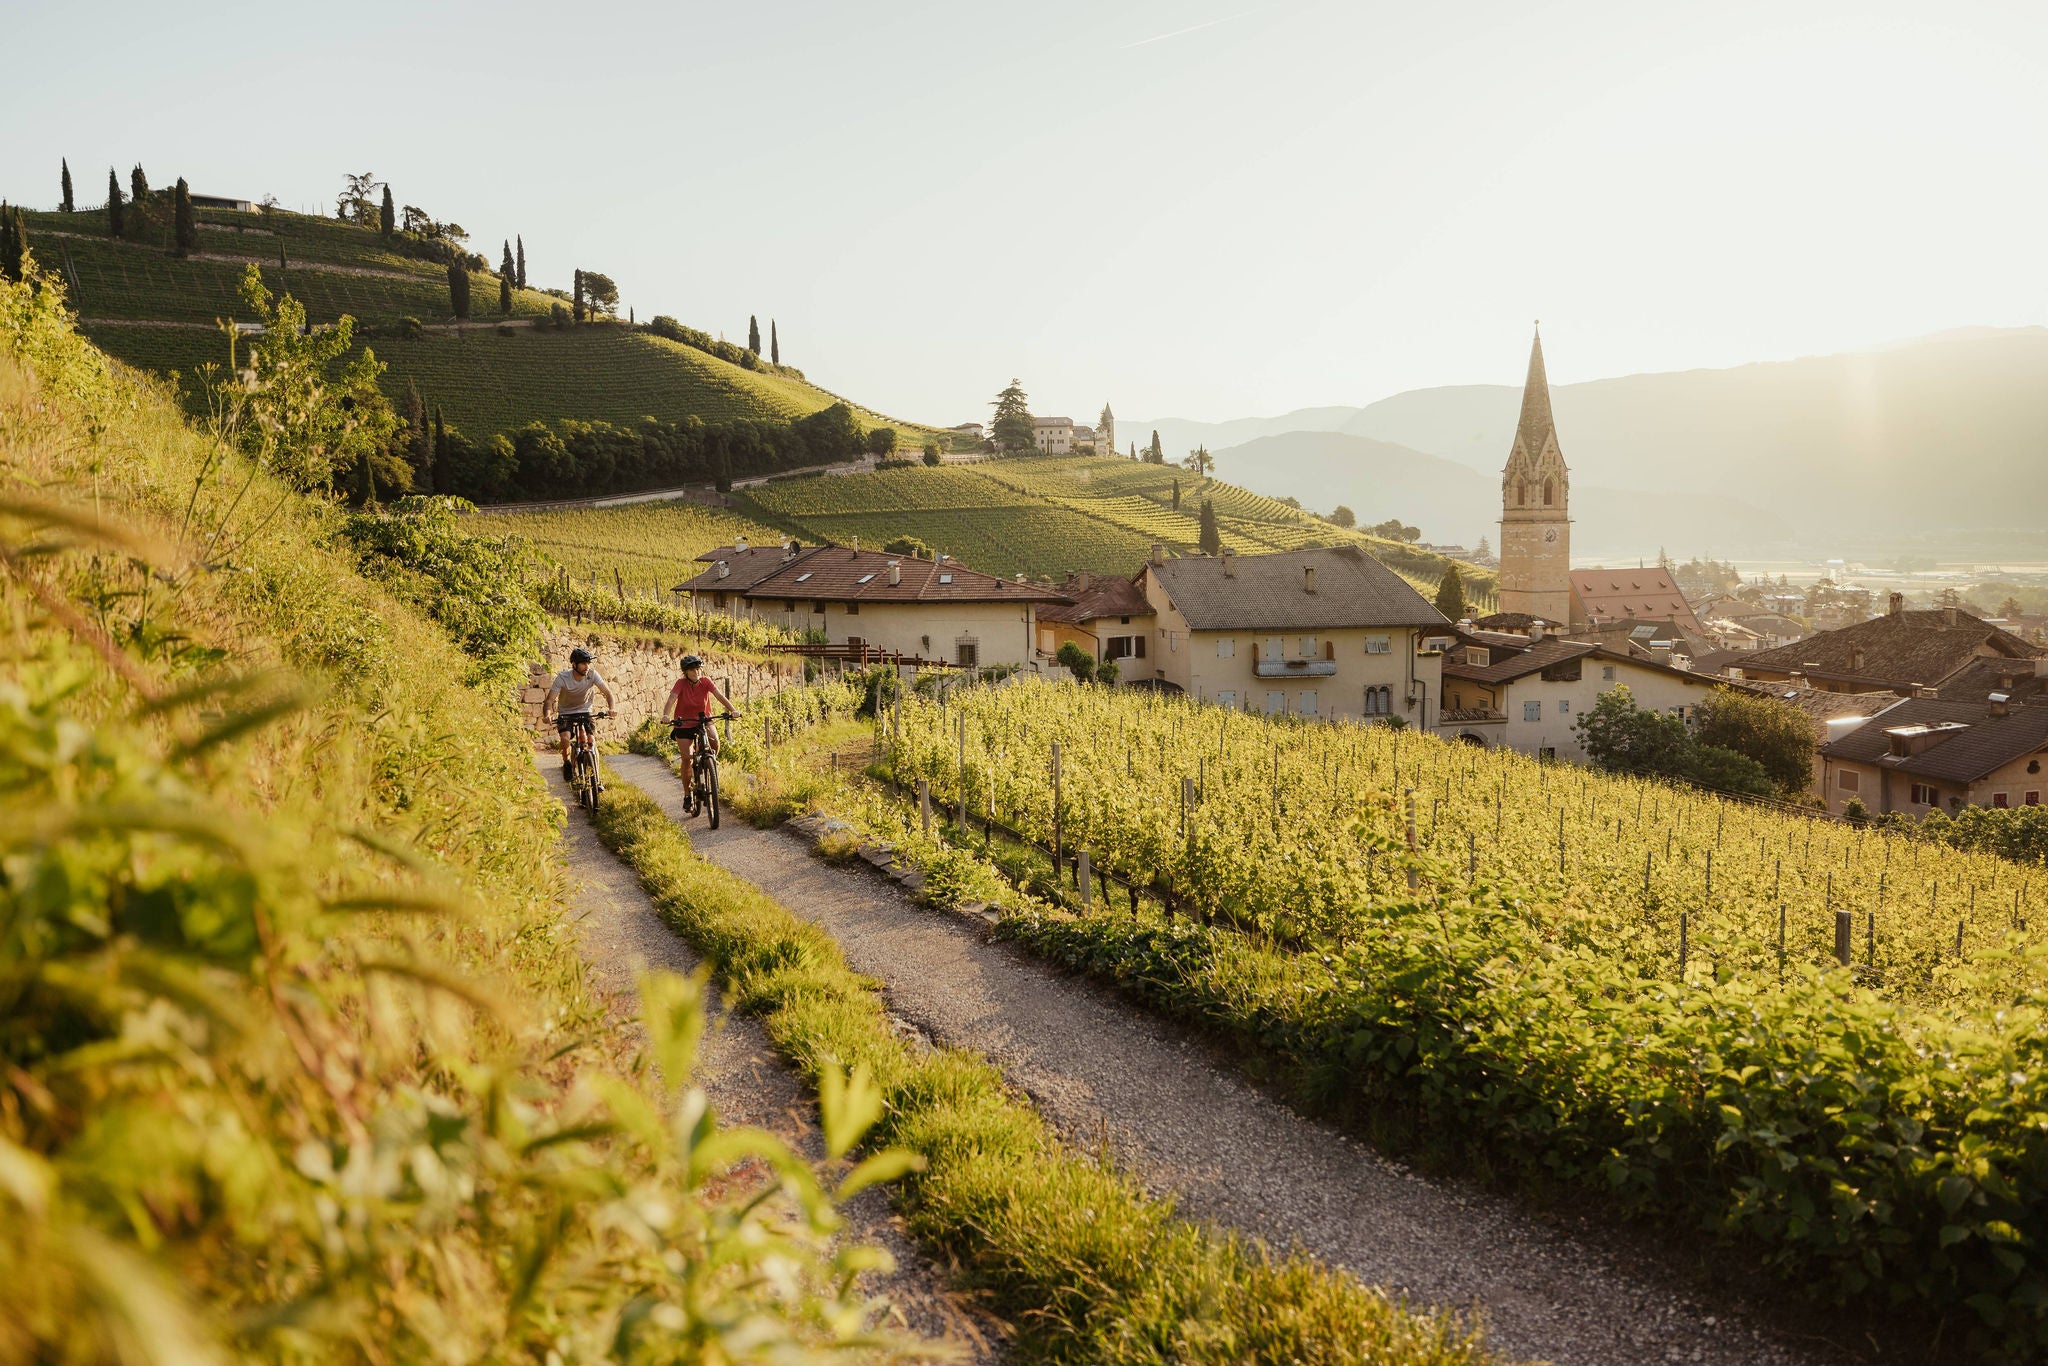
[(1098, 1067), (619, 932)]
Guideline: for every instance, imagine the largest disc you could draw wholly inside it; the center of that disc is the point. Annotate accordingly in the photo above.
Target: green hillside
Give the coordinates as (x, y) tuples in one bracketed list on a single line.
[(494, 373), (1040, 516)]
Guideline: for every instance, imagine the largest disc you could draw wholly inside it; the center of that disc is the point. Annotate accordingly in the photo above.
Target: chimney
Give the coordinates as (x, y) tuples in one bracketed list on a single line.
[(723, 569), (1308, 578), (1536, 629), (895, 573), (1229, 563), (856, 547), (1898, 603), (1082, 581), (740, 544), (2001, 703), (1158, 553)]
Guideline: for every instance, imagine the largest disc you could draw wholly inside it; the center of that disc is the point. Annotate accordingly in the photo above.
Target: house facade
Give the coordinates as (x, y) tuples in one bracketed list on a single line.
[(1529, 697), (1982, 740), (1329, 633), (1108, 616), (935, 610)]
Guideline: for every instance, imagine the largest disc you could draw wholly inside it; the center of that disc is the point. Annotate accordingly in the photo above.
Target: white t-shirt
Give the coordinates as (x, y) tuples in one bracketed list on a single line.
[(574, 692)]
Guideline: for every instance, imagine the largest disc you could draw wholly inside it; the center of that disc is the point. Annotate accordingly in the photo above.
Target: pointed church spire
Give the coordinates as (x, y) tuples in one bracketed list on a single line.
[(1536, 423)]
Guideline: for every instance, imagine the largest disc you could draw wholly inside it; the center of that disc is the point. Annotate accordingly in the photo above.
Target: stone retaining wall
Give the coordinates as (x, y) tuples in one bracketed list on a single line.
[(640, 672)]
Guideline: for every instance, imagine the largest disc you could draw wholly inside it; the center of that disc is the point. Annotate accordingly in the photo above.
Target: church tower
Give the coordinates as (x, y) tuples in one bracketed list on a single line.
[(1535, 526)]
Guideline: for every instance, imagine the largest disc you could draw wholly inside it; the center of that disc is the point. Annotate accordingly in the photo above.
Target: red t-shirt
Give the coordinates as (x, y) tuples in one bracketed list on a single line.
[(693, 700)]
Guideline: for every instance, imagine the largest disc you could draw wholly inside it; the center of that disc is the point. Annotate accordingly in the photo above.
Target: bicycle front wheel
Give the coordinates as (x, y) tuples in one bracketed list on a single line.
[(711, 793)]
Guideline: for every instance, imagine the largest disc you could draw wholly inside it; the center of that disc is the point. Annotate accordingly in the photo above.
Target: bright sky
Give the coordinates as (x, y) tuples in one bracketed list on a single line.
[(1208, 209)]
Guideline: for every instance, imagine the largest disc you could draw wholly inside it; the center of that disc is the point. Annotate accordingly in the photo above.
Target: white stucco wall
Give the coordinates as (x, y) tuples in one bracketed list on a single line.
[(1002, 631), (1560, 704)]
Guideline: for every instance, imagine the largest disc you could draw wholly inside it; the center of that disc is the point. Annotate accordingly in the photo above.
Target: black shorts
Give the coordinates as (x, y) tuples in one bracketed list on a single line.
[(565, 724), (685, 730)]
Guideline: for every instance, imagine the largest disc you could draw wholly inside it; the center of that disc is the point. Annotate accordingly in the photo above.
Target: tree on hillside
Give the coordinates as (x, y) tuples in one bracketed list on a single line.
[(1485, 550), (185, 226), (353, 204), (1210, 539), (138, 185), (882, 442), (419, 439), (774, 344), (141, 213), (576, 299), (65, 203), (2011, 607), (13, 244), (932, 456), (1343, 516), (1200, 461), (1134, 450), (387, 215), (1012, 429), (519, 255), (505, 295), (116, 224), (458, 288), (907, 545), (506, 269), (600, 295), (753, 334), (1156, 455), (1393, 530), (1450, 595), (1176, 495)]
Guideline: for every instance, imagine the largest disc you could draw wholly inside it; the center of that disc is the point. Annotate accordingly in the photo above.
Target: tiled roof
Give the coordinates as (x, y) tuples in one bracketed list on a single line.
[(1052, 422), (1269, 592), (1508, 621), (836, 574), (1989, 743), (1822, 706), (744, 568), (1097, 597), (1977, 680), (1507, 667), (1899, 650), (1632, 595)]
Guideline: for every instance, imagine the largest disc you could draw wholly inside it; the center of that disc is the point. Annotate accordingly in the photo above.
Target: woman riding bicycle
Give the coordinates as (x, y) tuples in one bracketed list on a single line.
[(688, 712), (573, 685)]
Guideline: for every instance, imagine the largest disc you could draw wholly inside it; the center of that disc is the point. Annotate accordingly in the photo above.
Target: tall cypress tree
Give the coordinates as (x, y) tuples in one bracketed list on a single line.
[(138, 185), (10, 245), (443, 478), (1210, 537), (458, 287), (187, 226), (576, 300), (387, 217), (505, 295), (505, 266), (1450, 594), (521, 249), (66, 205), (116, 219), (753, 334), (774, 344)]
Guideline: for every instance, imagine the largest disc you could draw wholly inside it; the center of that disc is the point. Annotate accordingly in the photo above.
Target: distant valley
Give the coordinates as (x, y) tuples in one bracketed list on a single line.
[(1940, 443)]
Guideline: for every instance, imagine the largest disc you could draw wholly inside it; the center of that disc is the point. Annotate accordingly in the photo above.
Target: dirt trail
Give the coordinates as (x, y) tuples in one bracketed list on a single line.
[(620, 932), (1097, 1067)]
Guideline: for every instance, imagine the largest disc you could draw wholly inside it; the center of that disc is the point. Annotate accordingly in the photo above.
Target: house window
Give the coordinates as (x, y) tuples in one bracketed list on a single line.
[(2031, 799), (1849, 781), (853, 609), (1119, 647), (1478, 656), (718, 601), (1606, 673), (1379, 645), (1273, 648), (1308, 702), (1547, 753), (1123, 621), (1564, 706), (1226, 699), (1226, 649), (1999, 801), (1379, 701), (819, 608), (789, 604), (1923, 794), (1276, 702), (1532, 711), (1306, 647), (967, 653)]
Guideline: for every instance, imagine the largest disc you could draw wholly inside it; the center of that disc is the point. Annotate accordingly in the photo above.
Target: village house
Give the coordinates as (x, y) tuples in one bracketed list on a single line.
[(1902, 651), (1980, 740), (1107, 616), (1602, 596), (1327, 632), (1512, 692), (897, 604)]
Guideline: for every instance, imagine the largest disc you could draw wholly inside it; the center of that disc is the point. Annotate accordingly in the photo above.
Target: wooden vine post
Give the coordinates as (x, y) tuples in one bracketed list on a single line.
[(1844, 929), (924, 804), (1081, 875), (1410, 796), (1058, 843), (962, 821)]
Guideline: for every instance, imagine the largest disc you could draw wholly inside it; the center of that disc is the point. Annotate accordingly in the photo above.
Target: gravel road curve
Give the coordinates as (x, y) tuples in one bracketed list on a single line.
[(619, 933), (1098, 1067)]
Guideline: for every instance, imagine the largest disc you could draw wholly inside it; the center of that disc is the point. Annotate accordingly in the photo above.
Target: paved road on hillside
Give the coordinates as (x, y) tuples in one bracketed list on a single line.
[(1100, 1068), (619, 933)]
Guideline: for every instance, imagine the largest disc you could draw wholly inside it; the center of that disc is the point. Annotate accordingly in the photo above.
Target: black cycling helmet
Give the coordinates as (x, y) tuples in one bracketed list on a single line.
[(692, 662), (579, 655)]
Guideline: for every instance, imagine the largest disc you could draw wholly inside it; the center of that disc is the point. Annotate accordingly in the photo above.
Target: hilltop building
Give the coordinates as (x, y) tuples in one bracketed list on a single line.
[(1062, 436), (1535, 520), (930, 609)]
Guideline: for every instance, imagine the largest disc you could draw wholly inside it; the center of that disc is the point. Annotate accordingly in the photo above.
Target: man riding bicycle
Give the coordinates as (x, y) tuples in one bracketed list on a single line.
[(687, 711), (574, 686)]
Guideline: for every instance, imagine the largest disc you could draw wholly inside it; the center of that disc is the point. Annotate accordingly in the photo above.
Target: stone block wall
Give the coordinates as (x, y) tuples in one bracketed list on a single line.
[(640, 672)]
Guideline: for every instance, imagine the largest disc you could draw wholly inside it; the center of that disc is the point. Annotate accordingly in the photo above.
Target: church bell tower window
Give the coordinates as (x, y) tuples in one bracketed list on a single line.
[(1549, 493)]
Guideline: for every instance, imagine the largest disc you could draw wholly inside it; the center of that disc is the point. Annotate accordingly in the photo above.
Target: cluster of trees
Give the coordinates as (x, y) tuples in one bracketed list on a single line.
[(1740, 743), (1085, 667), (1200, 461), (164, 217), (1155, 454), (1393, 530), (1450, 595), (662, 325), (2019, 833), (594, 295)]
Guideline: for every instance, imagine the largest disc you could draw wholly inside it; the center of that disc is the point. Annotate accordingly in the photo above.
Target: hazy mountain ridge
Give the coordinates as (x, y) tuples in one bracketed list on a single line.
[(1941, 435)]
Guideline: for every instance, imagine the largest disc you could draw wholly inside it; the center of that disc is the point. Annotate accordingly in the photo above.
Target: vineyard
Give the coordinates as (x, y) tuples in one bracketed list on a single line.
[(646, 544), (1586, 979), (1298, 833)]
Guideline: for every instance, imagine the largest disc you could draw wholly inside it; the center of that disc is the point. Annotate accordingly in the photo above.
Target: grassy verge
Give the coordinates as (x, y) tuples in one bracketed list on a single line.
[(1075, 1255)]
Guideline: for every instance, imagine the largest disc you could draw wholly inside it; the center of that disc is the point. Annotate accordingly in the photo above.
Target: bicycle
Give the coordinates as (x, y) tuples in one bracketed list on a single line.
[(583, 778), (703, 785)]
